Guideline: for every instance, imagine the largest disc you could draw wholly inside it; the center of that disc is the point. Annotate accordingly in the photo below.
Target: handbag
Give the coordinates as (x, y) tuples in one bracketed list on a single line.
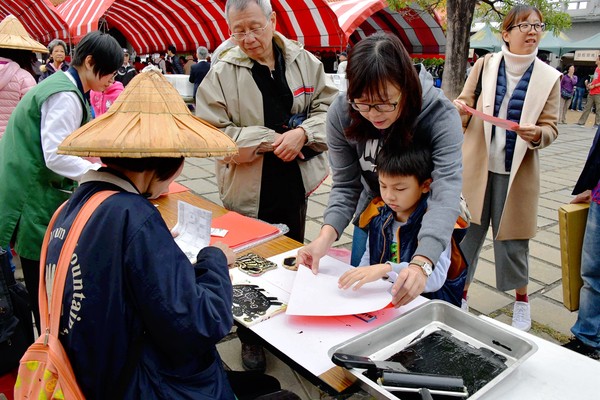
[(16, 326), (565, 94)]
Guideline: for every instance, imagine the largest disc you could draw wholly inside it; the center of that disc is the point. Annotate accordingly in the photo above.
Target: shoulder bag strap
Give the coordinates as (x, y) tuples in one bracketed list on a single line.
[(62, 266), (478, 89)]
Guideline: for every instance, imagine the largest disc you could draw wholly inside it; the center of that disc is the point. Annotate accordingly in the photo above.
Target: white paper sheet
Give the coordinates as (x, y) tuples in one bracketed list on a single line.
[(192, 228), (292, 335), (319, 295)]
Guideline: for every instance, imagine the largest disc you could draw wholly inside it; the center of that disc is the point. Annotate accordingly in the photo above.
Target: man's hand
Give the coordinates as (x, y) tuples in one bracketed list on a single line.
[(287, 146), (584, 197)]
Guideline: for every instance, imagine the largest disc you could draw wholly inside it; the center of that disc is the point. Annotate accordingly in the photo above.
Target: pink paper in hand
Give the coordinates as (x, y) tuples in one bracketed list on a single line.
[(499, 122)]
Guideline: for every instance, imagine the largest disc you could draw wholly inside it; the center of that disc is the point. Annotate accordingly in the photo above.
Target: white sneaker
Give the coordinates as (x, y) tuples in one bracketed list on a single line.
[(464, 305), (522, 316)]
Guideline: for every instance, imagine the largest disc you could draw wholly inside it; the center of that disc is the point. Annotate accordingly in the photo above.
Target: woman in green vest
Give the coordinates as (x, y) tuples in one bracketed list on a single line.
[(35, 179)]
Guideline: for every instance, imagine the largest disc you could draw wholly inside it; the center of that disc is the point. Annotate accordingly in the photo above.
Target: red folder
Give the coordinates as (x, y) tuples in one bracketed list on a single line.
[(243, 231)]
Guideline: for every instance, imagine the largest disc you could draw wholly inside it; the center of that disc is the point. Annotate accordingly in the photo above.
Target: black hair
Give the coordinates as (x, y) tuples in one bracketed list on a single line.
[(413, 160), (21, 57), (172, 48), (373, 62), (165, 167), (107, 54)]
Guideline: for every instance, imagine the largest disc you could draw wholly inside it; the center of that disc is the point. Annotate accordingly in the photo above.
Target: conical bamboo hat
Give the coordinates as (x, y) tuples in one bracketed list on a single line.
[(14, 36), (149, 119)]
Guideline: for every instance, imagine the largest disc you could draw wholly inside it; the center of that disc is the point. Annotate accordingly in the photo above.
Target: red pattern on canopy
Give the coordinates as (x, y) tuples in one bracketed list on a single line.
[(419, 31), (152, 26), (40, 18)]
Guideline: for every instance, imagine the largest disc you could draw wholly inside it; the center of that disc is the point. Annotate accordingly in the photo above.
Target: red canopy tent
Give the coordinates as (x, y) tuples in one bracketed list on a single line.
[(149, 26), (40, 18), (419, 31), (311, 22), (152, 26)]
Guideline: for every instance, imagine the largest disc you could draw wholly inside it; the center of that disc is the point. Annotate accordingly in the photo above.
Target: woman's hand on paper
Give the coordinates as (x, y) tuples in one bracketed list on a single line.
[(357, 277), (311, 254), (409, 284), (529, 132), (460, 106), (229, 254)]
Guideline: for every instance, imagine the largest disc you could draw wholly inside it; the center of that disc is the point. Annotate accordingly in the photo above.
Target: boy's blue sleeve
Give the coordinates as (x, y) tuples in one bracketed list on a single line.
[(436, 279)]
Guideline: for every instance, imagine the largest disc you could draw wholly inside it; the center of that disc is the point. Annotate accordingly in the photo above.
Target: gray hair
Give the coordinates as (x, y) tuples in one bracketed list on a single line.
[(57, 42), (265, 6), (202, 52)]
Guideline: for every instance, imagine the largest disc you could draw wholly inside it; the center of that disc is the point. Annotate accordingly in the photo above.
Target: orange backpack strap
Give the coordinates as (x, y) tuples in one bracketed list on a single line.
[(62, 266), (42, 294)]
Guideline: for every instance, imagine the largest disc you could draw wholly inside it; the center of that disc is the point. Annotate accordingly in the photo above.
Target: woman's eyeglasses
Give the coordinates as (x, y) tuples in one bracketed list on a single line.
[(381, 107), (526, 27)]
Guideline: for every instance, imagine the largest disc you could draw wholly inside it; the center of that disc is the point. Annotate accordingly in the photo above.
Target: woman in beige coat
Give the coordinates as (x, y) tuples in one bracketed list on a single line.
[(501, 167)]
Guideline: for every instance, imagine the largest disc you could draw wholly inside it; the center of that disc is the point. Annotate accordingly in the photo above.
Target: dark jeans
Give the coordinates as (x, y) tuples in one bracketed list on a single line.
[(577, 103)]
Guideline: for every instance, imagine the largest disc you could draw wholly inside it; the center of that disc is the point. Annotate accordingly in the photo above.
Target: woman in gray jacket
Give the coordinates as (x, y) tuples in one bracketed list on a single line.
[(389, 100)]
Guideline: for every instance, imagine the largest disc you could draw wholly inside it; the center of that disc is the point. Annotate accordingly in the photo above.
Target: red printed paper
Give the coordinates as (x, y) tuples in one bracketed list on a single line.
[(499, 122)]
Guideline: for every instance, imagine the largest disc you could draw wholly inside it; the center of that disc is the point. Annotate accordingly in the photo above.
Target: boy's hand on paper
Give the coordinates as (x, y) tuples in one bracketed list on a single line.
[(410, 283), (229, 254), (288, 145), (361, 275)]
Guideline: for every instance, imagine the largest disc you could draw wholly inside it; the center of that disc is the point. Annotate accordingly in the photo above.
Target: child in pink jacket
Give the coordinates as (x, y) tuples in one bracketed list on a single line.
[(14, 83), (101, 101)]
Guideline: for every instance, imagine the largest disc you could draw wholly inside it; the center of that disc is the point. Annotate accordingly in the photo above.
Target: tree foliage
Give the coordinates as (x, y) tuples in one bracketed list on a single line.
[(459, 18)]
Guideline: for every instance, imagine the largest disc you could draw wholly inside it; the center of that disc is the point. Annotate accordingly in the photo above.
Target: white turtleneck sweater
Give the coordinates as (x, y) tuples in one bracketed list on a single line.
[(515, 66)]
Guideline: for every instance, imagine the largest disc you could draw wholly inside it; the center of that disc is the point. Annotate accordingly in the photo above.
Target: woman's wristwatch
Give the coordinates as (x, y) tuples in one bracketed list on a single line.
[(424, 265)]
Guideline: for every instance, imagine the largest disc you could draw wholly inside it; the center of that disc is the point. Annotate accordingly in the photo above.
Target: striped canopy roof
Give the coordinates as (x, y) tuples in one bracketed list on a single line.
[(419, 31), (40, 18), (152, 26)]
